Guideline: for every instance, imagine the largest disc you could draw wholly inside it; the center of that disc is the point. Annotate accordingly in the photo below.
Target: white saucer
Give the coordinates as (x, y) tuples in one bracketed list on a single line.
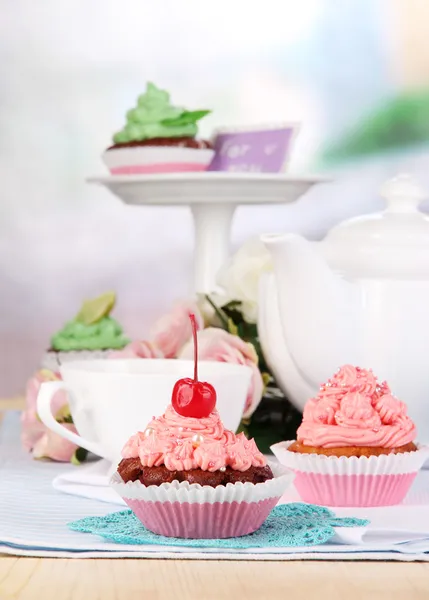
[(207, 187)]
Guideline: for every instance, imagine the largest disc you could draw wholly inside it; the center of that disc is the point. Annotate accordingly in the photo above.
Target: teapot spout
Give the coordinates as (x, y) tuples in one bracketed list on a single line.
[(318, 308)]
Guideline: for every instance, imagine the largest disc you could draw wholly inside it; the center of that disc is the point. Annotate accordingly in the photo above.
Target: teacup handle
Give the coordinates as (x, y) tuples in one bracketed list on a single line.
[(46, 392)]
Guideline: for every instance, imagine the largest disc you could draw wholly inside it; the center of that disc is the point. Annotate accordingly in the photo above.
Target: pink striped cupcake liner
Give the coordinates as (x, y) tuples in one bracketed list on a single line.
[(186, 510), (341, 481), (140, 160)]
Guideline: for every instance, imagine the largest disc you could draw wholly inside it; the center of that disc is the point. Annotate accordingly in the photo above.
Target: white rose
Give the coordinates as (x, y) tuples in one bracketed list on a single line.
[(240, 276)]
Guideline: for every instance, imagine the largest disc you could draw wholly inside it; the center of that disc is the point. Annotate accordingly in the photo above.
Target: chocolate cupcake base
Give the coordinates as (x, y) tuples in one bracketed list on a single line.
[(131, 469), (181, 142)]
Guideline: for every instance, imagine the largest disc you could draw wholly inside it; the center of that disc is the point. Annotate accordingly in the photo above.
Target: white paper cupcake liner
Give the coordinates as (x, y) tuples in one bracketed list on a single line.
[(193, 511), (341, 481), (186, 492), (53, 360), (156, 159), (385, 464)]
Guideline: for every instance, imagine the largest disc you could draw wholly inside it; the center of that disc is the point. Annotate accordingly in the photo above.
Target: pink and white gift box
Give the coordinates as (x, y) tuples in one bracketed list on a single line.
[(352, 481), (186, 510)]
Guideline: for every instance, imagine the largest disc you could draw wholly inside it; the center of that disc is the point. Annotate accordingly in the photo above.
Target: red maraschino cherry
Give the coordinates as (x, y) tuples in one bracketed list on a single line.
[(193, 398)]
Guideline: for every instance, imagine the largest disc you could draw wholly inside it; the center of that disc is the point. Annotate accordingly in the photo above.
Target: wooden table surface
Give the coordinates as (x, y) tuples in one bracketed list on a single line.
[(129, 579)]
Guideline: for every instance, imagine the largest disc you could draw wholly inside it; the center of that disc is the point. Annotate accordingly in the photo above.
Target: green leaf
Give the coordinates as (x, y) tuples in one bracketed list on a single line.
[(243, 428), (79, 456), (63, 415), (233, 304), (266, 378), (233, 312), (219, 312), (186, 118), (395, 124), (232, 327)]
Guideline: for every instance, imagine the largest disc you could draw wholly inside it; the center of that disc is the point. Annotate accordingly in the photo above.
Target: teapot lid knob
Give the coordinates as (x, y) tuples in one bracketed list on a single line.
[(403, 194)]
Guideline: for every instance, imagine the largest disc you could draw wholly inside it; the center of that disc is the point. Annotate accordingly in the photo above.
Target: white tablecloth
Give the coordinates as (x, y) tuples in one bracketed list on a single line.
[(34, 517)]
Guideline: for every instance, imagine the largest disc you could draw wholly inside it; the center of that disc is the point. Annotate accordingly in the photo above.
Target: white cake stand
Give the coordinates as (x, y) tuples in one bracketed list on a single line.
[(213, 198)]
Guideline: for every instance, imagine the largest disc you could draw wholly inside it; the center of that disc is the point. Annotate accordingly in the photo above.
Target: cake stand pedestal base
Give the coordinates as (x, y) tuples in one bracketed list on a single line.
[(213, 198), (212, 234)]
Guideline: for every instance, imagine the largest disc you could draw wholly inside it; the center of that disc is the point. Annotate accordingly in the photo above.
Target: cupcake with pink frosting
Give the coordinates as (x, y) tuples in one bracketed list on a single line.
[(356, 444), (187, 476), (196, 450)]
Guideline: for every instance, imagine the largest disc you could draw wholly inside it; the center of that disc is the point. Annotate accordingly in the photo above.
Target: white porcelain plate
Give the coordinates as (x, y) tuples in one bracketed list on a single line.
[(208, 187)]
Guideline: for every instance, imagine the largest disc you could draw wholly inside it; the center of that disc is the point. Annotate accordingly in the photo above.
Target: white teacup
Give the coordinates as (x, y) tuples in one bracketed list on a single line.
[(112, 399)]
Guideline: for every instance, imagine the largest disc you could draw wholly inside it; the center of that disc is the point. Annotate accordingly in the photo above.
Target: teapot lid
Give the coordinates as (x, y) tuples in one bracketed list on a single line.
[(393, 243)]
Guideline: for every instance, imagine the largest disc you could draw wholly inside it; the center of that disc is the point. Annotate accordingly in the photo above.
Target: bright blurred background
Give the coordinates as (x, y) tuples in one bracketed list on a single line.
[(355, 73)]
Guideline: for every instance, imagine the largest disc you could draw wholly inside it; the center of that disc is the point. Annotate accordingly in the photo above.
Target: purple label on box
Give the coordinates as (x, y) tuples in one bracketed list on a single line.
[(264, 151)]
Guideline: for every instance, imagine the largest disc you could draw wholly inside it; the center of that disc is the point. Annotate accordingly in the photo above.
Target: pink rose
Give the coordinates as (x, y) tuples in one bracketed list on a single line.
[(139, 349), (173, 330), (53, 446), (219, 345), (35, 436)]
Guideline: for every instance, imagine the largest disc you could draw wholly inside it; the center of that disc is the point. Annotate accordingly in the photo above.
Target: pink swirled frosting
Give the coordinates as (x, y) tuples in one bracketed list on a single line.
[(353, 409), (184, 443)]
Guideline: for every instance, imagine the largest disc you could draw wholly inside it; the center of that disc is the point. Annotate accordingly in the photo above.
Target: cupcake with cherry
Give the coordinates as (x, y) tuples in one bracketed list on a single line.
[(187, 476), (356, 445)]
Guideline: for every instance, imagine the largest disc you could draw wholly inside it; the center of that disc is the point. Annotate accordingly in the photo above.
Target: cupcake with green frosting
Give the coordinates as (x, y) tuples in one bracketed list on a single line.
[(158, 137), (93, 333)]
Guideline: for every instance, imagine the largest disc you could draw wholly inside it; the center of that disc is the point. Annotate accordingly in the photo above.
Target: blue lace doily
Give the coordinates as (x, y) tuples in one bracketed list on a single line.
[(288, 525)]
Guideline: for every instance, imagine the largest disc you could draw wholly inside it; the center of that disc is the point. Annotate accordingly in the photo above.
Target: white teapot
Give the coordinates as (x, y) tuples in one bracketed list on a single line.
[(360, 296)]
